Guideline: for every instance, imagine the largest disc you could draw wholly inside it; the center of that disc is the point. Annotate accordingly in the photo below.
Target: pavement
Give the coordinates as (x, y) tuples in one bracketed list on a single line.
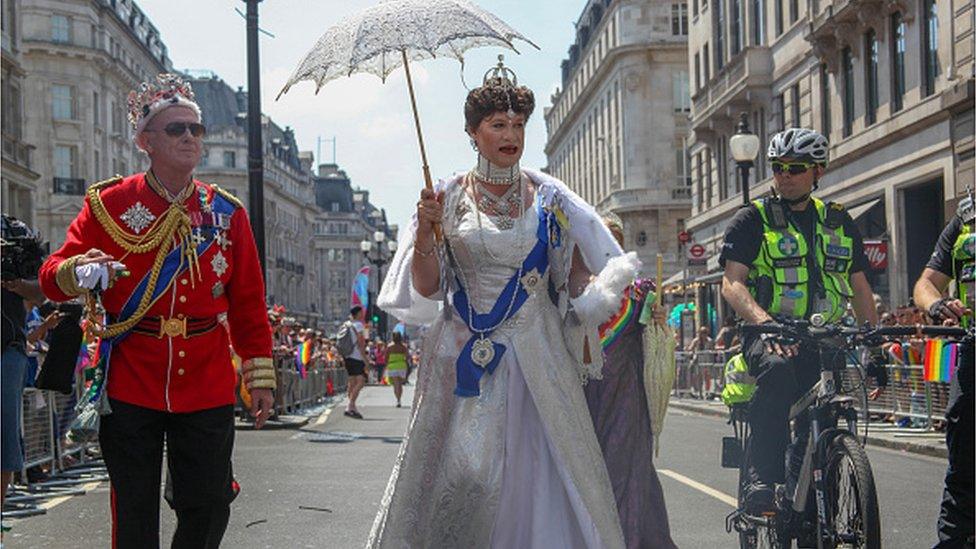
[(320, 485), (918, 441)]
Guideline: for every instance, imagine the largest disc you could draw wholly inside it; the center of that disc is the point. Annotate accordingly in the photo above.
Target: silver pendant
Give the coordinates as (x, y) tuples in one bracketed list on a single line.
[(482, 352), (531, 280), (137, 217), (219, 263)]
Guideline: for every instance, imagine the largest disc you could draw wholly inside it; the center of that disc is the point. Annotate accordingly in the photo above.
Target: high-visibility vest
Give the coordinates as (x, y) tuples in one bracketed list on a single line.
[(780, 276), (963, 256), (739, 385)]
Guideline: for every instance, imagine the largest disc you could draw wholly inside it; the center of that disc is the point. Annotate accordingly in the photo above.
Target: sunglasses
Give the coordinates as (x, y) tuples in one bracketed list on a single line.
[(177, 129), (795, 168)]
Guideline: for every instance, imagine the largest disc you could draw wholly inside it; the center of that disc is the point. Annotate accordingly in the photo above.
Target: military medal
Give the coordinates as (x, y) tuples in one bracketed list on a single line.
[(217, 290), (482, 352), (219, 263), (221, 239), (137, 217)]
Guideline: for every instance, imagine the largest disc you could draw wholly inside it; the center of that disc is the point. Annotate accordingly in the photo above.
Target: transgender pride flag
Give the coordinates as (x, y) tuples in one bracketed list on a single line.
[(360, 288)]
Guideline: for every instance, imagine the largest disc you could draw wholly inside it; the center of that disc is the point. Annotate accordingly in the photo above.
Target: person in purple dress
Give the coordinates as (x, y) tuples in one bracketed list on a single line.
[(619, 408)]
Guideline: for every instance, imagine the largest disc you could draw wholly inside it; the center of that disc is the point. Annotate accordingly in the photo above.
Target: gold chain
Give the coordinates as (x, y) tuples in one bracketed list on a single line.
[(174, 223)]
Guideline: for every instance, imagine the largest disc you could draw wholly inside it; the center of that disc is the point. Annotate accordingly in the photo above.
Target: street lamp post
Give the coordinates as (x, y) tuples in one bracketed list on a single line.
[(255, 155), (378, 255), (745, 147)]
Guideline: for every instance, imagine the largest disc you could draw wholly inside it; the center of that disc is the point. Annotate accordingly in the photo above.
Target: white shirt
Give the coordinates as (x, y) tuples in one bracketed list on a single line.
[(357, 328)]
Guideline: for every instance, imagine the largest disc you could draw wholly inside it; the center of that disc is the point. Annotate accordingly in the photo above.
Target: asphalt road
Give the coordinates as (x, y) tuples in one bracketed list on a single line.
[(320, 487)]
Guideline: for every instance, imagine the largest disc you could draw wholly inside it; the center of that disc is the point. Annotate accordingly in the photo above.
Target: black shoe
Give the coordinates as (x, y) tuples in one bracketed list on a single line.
[(759, 498), (398, 405), (348, 413), (355, 414)]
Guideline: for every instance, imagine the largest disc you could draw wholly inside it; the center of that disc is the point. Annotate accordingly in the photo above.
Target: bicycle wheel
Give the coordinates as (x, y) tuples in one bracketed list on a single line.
[(851, 498)]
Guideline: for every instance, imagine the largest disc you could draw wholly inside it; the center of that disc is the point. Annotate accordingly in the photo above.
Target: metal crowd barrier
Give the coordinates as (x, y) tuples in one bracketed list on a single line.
[(58, 465), (908, 401), (322, 381)]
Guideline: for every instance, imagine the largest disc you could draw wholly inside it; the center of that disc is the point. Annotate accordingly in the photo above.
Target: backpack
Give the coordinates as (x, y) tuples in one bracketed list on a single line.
[(346, 339), (739, 385)]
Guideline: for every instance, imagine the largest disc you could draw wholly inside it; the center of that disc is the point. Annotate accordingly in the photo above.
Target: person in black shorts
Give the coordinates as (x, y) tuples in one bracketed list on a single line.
[(953, 260), (356, 361)]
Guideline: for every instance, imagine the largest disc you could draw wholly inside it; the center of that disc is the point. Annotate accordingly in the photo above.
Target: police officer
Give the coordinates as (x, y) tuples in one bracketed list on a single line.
[(789, 255), (953, 260)]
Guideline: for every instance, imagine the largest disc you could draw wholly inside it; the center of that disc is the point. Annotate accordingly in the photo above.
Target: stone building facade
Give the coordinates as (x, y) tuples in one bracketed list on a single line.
[(79, 61), (18, 178), (617, 126), (890, 82)]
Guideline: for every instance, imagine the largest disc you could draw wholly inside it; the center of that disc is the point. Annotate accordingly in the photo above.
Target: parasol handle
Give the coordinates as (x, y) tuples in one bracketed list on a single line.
[(438, 233)]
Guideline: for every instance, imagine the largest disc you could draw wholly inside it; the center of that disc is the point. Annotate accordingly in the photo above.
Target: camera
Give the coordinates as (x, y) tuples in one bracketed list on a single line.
[(21, 250)]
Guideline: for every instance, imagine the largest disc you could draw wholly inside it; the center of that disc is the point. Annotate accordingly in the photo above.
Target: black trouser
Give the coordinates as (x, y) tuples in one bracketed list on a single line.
[(956, 516), (199, 484), (780, 382)]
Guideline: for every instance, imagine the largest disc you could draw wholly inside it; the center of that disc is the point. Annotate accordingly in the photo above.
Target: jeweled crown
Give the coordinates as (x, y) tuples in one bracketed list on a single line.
[(149, 97), (500, 75)]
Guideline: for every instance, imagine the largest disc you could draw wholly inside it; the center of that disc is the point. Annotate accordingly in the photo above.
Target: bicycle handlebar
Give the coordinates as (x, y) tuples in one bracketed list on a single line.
[(804, 329)]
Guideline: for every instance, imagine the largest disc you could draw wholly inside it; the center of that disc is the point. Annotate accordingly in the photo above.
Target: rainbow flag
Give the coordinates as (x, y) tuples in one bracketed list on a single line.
[(940, 360), (303, 355), (611, 330)]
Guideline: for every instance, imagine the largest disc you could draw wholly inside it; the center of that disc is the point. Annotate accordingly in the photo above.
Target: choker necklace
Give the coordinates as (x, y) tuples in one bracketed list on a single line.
[(487, 172)]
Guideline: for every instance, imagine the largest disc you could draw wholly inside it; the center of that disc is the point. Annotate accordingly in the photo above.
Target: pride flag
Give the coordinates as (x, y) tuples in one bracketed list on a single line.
[(612, 329), (940, 360), (303, 355), (360, 288)]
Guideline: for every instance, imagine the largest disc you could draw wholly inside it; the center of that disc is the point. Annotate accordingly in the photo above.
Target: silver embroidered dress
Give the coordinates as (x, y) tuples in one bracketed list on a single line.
[(519, 465)]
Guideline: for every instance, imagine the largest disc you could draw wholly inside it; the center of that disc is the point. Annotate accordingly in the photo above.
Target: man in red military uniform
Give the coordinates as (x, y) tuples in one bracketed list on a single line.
[(190, 256)]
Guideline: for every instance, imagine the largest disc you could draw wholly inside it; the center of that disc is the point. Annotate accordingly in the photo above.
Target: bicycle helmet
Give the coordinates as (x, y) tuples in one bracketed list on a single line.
[(800, 144)]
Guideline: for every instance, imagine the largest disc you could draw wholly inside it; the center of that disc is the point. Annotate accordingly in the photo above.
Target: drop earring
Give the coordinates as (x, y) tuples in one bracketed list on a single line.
[(474, 144)]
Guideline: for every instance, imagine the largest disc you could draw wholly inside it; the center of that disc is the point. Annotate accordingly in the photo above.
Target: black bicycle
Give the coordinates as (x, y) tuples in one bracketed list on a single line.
[(832, 501)]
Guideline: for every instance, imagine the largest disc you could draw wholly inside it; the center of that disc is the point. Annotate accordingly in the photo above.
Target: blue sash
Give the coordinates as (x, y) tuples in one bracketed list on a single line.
[(171, 268), (512, 298)]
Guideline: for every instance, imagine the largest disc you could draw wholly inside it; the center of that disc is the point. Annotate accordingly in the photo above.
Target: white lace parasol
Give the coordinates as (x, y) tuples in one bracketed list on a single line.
[(377, 40)]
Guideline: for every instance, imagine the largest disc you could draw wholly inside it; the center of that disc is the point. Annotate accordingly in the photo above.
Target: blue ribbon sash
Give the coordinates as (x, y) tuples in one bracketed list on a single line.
[(479, 347)]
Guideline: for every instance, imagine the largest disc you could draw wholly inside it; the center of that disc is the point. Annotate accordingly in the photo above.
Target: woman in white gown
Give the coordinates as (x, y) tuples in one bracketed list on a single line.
[(500, 450)]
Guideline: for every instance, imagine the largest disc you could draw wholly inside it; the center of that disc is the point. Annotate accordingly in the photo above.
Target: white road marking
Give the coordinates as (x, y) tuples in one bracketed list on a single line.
[(708, 490), (324, 417), (54, 502)]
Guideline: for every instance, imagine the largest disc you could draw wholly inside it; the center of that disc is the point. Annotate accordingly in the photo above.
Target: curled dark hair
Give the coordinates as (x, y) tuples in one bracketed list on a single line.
[(493, 97)]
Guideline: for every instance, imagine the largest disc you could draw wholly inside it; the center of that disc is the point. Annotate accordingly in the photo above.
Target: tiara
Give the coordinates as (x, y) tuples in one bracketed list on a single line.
[(500, 75), (150, 98)]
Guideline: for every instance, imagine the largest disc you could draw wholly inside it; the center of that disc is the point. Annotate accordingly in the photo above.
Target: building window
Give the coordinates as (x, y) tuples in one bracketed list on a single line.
[(723, 173), (60, 28), (679, 19), (230, 159), (778, 6), (871, 77), (697, 73), (96, 109), (735, 11), (694, 8), (700, 195), (795, 107), (794, 11), (12, 118), (64, 170), (825, 100), (681, 98), (781, 105), (758, 22), (930, 45), (62, 102), (708, 178), (707, 65), (847, 66), (898, 61), (719, 15), (116, 118)]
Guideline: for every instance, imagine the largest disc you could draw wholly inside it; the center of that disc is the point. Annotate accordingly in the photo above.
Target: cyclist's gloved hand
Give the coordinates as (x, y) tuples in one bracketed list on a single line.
[(947, 310), (777, 344)]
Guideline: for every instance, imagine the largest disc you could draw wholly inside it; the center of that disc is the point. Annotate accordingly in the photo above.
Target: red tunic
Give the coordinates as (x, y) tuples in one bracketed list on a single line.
[(172, 373)]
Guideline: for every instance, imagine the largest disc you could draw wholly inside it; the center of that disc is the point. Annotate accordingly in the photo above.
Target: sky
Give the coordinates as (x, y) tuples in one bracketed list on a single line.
[(371, 122)]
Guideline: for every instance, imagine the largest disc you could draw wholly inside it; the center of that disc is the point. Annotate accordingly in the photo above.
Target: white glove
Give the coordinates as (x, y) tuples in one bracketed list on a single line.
[(94, 275)]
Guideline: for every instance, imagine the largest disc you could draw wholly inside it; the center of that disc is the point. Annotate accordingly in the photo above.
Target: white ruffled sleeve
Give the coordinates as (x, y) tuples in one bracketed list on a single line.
[(398, 297)]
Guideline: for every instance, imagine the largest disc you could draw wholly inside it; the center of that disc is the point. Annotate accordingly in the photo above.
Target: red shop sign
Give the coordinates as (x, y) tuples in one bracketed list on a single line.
[(877, 252)]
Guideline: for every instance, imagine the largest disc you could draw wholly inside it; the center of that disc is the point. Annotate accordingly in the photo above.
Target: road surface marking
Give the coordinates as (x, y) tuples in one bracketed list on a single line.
[(324, 417), (54, 502), (708, 490)]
